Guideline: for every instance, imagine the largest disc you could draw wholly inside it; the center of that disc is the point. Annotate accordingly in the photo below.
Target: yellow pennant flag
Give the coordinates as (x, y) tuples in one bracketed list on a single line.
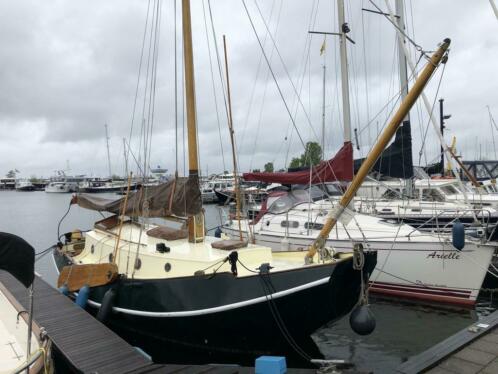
[(322, 48)]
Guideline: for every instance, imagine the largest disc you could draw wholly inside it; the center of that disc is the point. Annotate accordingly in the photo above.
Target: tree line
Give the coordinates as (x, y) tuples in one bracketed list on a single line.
[(311, 156)]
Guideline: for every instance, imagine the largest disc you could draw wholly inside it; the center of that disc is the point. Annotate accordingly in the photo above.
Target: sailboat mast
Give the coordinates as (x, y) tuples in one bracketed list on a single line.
[(323, 112), (193, 166), (495, 9), (377, 149), (232, 142), (108, 153), (403, 76), (346, 113), (196, 227), (403, 73)]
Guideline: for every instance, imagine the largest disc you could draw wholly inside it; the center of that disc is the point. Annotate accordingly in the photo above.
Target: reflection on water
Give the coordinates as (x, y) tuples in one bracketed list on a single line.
[(402, 330)]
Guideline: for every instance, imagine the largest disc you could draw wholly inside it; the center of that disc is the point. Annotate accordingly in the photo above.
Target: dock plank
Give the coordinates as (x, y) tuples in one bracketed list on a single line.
[(472, 349), (68, 325)]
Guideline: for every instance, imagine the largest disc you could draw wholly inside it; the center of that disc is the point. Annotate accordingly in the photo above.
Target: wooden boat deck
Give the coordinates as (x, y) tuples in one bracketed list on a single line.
[(471, 350)]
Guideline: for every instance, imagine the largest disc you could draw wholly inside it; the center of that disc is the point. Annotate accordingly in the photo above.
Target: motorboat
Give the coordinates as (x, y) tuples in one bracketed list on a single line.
[(24, 185)]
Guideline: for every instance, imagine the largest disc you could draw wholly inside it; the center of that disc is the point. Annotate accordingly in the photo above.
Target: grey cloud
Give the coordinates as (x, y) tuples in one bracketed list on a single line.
[(66, 68)]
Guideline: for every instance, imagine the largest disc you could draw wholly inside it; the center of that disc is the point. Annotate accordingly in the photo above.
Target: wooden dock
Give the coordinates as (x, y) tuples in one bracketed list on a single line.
[(471, 350), (87, 345)]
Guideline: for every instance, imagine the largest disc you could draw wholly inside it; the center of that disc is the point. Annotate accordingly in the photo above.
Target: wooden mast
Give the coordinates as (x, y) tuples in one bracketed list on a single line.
[(196, 223), (232, 141), (374, 154)]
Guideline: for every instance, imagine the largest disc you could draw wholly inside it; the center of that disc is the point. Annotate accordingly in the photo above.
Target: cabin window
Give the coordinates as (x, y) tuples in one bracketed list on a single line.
[(432, 195), (313, 226), (167, 267), (392, 194), (138, 264), (449, 190), (290, 224)]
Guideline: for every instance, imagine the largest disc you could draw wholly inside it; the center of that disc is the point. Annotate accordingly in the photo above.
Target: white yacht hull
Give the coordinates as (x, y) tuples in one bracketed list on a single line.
[(431, 271), (59, 188)]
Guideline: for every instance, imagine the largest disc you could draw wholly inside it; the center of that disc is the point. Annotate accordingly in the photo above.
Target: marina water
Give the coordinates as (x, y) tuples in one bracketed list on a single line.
[(403, 330)]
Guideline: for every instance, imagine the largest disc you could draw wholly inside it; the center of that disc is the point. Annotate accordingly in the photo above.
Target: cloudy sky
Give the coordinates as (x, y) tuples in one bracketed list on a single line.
[(69, 67)]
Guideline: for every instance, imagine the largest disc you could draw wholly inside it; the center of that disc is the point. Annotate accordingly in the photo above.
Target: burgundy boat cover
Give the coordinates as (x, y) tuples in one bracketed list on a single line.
[(339, 168), (180, 197)]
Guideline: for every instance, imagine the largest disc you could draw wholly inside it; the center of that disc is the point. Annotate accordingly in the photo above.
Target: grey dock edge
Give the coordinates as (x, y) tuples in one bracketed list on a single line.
[(451, 346)]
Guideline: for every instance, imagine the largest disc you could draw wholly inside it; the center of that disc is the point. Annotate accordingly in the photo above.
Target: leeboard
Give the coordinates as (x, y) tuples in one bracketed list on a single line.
[(92, 275)]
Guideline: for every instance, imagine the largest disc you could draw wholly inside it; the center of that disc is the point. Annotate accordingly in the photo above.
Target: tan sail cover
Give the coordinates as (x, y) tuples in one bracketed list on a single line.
[(180, 197)]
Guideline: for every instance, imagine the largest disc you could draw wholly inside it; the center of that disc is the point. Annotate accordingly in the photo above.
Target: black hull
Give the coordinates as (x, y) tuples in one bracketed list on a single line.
[(238, 334), (26, 189), (223, 198)]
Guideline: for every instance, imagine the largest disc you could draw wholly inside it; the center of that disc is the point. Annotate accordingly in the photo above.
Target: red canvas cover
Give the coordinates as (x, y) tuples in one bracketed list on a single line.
[(338, 168)]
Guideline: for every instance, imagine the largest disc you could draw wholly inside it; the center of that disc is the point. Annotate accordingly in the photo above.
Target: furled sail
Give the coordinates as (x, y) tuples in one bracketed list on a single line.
[(396, 160), (17, 257), (339, 168), (180, 197)]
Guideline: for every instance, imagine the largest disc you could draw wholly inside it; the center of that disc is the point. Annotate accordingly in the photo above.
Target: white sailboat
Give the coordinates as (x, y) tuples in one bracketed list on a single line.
[(411, 264)]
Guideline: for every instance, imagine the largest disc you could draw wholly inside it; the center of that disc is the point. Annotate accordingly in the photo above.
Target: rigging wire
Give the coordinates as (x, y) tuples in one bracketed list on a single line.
[(143, 129), (430, 115), (354, 91), (153, 95), (176, 85), (260, 117), (218, 59), (298, 96), (417, 47), (365, 71), (306, 64), (273, 75), (253, 90), (138, 77), (215, 96)]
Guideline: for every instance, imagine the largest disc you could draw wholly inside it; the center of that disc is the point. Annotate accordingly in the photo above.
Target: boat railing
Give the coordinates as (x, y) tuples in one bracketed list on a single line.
[(34, 357), (483, 215)]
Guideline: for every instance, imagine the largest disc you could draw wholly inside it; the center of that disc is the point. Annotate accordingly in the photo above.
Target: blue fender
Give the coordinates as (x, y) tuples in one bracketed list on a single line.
[(82, 297), (458, 235), (64, 290)]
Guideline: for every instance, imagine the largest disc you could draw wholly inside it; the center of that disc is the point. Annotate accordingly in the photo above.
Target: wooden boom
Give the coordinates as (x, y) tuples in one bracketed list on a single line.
[(376, 151)]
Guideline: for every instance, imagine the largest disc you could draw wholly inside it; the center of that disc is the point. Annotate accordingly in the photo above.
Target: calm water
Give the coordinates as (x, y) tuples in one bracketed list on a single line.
[(402, 330)]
